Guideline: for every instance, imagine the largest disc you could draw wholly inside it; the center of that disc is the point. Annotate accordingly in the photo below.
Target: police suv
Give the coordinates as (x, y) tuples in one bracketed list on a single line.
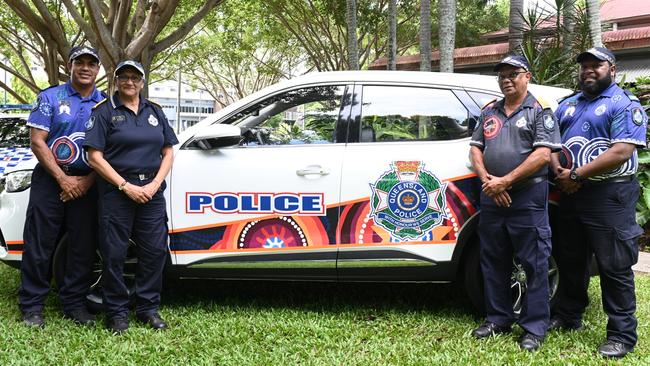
[(342, 176)]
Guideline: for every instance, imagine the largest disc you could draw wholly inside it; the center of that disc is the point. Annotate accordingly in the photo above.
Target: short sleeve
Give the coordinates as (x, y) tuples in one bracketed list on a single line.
[(478, 138), (96, 130), (41, 115), (168, 131), (628, 124), (547, 130)]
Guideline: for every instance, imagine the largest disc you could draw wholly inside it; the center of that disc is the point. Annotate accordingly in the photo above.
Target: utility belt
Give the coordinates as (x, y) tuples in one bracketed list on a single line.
[(522, 184), (138, 176), (74, 171), (623, 179)]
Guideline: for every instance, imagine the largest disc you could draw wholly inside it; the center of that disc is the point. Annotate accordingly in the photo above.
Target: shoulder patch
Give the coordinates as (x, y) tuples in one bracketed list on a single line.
[(100, 103), (631, 96), (488, 104)]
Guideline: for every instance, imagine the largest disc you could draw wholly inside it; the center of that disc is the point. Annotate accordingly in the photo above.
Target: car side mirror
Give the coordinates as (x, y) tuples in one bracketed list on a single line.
[(216, 136)]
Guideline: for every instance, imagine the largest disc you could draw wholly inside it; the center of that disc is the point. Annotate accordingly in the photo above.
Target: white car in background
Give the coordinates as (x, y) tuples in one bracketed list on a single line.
[(342, 176)]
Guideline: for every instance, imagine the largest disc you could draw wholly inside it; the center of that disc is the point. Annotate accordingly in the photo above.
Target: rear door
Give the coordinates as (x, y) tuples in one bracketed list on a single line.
[(406, 186)]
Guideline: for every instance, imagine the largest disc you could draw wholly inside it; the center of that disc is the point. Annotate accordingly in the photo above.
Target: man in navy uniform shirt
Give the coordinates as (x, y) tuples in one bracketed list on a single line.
[(62, 196), (510, 151), (601, 127)]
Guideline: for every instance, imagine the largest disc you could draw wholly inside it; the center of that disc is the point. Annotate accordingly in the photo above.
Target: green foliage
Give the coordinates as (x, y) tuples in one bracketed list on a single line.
[(641, 88), (250, 323)]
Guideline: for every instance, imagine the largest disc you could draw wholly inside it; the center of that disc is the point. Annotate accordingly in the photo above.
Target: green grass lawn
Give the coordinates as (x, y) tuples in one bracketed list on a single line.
[(246, 323)]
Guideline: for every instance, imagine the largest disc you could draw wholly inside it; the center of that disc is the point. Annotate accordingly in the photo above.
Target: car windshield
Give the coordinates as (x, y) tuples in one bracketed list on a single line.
[(13, 132)]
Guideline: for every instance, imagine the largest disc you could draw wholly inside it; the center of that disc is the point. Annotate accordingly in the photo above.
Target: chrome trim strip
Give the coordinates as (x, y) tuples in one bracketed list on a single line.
[(267, 264), (384, 263)]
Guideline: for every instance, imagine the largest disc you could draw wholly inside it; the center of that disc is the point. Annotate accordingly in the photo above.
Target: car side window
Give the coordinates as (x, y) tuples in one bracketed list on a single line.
[(300, 116), (396, 113), (482, 98)]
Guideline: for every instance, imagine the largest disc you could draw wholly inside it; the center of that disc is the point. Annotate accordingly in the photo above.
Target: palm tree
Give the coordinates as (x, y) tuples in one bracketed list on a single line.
[(446, 34), (392, 35), (593, 12), (516, 28), (353, 47), (569, 14), (425, 35)]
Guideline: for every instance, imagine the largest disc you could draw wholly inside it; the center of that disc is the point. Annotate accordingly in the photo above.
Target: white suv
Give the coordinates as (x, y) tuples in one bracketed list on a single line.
[(343, 176)]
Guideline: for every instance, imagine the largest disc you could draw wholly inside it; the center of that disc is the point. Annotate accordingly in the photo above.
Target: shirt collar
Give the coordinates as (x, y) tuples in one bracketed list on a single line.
[(529, 102), (116, 102), (607, 93), (95, 96)]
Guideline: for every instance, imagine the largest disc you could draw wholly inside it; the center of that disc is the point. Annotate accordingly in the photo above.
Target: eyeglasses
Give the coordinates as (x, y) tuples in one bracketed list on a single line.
[(511, 76), (126, 78)]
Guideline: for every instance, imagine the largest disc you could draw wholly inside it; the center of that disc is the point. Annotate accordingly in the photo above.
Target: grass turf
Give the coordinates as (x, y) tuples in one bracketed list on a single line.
[(268, 323)]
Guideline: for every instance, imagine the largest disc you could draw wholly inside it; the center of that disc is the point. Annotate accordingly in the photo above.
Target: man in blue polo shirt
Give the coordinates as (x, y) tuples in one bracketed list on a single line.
[(62, 197), (601, 127)]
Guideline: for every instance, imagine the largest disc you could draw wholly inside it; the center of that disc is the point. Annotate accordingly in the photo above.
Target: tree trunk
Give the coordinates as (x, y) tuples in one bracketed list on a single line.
[(353, 47), (447, 34), (516, 28), (595, 31), (392, 35), (569, 24), (425, 35)]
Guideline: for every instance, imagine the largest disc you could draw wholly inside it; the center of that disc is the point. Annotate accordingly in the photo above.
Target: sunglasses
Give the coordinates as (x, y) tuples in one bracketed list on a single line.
[(510, 76)]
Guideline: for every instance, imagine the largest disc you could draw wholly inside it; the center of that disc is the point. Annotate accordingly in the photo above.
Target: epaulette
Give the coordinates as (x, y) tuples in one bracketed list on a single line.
[(631, 95), (489, 103), (543, 103), (154, 103), (567, 97), (100, 103)]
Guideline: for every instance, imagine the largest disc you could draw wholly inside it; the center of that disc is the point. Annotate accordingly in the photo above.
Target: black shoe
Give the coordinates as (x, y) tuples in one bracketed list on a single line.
[(34, 319), (530, 342), (80, 317), (489, 329), (153, 320), (118, 324), (559, 324), (614, 349)]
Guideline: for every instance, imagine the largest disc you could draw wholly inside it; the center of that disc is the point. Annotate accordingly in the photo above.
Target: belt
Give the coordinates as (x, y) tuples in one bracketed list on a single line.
[(74, 171), (139, 176), (526, 183), (623, 179)]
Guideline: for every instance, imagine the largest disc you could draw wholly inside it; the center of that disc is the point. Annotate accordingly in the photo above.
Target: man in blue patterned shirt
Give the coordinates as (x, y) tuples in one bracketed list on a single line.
[(62, 198), (601, 128)]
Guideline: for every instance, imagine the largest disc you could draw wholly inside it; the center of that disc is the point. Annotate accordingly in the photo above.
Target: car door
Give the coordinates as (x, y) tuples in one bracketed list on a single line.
[(264, 208), (406, 184)]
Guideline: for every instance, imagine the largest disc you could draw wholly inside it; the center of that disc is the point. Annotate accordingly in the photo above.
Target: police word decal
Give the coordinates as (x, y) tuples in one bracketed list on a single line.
[(408, 201)]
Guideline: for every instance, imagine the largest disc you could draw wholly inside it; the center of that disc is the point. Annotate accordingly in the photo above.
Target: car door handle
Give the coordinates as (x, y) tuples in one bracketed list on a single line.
[(313, 170)]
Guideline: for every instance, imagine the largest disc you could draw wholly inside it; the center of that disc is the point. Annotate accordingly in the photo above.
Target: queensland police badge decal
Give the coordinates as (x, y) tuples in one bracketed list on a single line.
[(408, 200)]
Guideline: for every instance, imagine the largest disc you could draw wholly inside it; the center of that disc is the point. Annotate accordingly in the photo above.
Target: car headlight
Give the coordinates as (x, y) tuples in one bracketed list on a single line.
[(18, 181)]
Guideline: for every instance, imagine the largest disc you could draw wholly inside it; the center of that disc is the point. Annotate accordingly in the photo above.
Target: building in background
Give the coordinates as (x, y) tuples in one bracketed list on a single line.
[(195, 105)]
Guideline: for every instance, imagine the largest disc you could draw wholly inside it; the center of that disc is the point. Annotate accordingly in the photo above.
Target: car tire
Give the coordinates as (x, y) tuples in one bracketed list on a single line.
[(473, 281), (94, 300)]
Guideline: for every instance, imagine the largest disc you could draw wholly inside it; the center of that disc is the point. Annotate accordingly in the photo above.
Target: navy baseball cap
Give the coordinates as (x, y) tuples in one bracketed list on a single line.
[(78, 51), (516, 61), (601, 53), (130, 63)]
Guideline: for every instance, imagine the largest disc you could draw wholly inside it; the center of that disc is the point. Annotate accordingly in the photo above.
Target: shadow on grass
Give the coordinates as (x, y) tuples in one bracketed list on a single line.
[(320, 296)]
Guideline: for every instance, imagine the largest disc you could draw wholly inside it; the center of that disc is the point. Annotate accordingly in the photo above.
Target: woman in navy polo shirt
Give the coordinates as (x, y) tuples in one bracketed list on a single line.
[(129, 143)]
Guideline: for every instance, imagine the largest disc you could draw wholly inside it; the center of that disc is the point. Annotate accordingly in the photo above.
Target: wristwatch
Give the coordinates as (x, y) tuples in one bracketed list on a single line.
[(574, 176)]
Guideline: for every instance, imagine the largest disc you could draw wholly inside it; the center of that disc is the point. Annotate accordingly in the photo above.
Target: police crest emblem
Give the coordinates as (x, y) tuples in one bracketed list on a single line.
[(153, 120), (549, 122), (637, 116), (90, 123), (408, 200)]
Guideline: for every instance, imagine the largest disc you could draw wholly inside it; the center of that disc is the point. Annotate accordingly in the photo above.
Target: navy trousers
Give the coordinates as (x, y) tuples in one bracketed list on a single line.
[(120, 218), (599, 219), (47, 218), (523, 231)]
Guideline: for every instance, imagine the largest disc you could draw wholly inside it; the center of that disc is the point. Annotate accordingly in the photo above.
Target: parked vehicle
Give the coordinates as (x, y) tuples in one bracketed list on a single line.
[(342, 176)]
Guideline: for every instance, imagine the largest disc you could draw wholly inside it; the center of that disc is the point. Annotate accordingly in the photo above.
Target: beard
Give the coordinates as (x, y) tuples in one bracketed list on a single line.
[(598, 86)]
